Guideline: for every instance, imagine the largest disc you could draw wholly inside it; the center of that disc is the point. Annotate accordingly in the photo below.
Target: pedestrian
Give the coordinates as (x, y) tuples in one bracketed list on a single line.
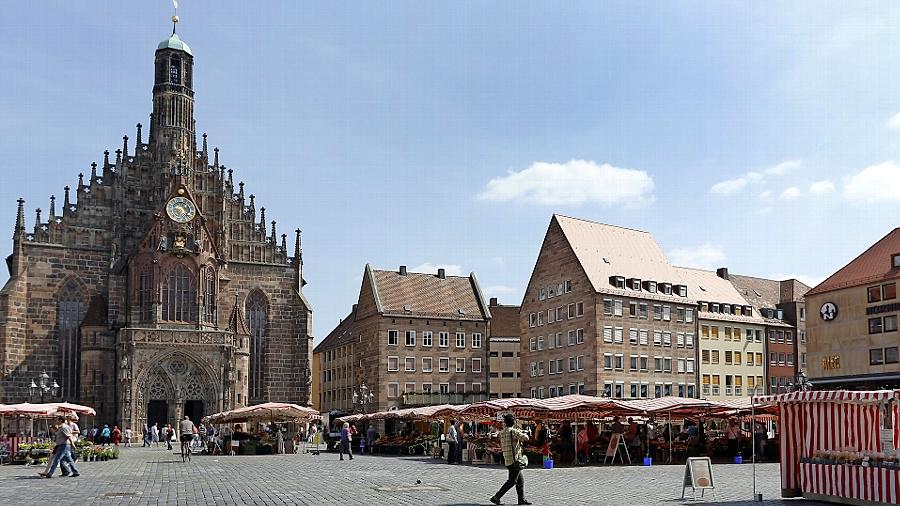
[(128, 435), (105, 435), (154, 434), (344, 446), (734, 435), (515, 461), (313, 430), (279, 441), (452, 443), (759, 439), (146, 436), (169, 434), (95, 433), (371, 437), (62, 451), (116, 435), (201, 431)]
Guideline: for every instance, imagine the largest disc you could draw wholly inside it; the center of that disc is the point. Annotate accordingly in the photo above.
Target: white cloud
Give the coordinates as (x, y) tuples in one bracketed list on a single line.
[(573, 182), (810, 281), (790, 193), (704, 256), (894, 122), (821, 187), (732, 186), (430, 268), (874, 183)]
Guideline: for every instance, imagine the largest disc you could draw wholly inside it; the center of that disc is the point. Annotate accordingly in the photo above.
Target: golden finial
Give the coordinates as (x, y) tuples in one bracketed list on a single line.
[(175, 17)]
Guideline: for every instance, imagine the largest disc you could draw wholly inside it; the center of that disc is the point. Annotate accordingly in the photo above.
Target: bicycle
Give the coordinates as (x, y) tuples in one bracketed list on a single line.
[(186, 447)]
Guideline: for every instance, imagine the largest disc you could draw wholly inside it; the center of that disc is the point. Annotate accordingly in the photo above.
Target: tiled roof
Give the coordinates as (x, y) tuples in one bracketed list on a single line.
[(871, 266), (236, 322), (709, 287), (606, 250), (342, 335), (427, 295)]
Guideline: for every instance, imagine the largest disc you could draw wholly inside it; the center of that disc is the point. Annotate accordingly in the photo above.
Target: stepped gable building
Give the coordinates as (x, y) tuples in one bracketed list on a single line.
[(731, 330), (606, 314), (852, 329), (781, 305), (157, 287), (413, 339)]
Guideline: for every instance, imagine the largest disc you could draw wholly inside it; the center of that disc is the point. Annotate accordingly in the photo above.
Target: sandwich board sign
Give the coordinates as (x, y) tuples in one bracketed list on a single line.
[(698, 475), (616, 447)]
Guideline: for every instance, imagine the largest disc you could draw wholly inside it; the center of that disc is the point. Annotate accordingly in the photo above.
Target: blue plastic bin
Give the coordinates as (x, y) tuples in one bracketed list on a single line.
[(548, 464)]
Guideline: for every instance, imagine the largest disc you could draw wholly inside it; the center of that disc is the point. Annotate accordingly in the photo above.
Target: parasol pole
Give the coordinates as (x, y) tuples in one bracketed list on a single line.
[(670, 435), (753, 440)]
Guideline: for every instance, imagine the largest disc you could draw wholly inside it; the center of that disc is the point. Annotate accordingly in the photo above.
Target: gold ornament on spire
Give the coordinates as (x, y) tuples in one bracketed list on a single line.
[(175, 18)]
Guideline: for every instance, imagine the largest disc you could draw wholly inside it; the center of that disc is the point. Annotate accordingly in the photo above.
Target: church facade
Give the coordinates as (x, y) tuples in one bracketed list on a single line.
[(157, 288)]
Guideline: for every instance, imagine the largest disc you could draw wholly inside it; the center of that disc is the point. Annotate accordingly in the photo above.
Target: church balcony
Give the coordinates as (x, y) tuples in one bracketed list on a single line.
[(180, 337)]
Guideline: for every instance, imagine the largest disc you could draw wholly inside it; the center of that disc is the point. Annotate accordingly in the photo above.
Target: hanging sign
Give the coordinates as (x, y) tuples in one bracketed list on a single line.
[(697, 475)]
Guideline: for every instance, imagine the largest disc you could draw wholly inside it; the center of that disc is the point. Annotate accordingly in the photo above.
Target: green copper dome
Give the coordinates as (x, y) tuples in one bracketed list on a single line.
[(174, 42)]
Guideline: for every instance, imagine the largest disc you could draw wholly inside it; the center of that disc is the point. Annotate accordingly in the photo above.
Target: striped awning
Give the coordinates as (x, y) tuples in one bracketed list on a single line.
[(847, 396)]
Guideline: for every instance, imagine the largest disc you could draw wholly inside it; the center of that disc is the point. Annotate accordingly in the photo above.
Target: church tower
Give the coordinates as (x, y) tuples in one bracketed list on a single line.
[(172, 129)]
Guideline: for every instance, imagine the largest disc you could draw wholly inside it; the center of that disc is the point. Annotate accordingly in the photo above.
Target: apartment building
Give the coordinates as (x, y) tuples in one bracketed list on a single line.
[(333, 361), (853, 335), (606, 314), (782, 307), (504, 343), (731, 343)]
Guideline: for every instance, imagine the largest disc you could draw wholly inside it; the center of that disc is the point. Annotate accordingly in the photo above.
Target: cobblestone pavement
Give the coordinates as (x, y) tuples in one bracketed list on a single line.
[(157, 476)]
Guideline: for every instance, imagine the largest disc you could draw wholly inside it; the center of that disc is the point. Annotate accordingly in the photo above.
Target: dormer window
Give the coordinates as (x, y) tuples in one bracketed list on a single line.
[(738, 311), (726, 308), (681, 290), (704, 306), (617, 281), (650, 286), (666, 288), (635, 284), (714, 308), (780, 314)]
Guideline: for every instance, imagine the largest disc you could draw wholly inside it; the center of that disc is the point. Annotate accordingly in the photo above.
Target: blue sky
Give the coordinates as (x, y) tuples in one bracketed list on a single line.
[(756, 135)]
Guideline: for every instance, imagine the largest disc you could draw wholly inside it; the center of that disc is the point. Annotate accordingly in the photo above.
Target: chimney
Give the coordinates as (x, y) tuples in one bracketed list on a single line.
[(494, 301), (403, 270), (354, 307), (722, 272), (442, 274)]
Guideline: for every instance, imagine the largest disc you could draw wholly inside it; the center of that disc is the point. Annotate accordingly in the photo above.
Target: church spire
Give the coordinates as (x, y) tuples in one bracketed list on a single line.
[(172, 134), (52, 208), (20, 219)]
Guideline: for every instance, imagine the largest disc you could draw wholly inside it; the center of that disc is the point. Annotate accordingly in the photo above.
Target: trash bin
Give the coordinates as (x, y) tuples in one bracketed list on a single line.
[(548, 464)]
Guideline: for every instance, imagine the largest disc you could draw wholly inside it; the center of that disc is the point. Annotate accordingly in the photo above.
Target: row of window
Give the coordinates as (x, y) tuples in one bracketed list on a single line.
[(781, 384), (555, 290), (642, 390), (734, 385), (616, 335), (732, 357), (557, 314), (556, 340), (730, 333), (879, 356), (409, 364), (662, 312), (427, 388), (781, 336), (722, 308), (638, 285), (555, 366), (878, 293), (616, 361), (782, 359), (557, 390), (428, 339), (885, 324)]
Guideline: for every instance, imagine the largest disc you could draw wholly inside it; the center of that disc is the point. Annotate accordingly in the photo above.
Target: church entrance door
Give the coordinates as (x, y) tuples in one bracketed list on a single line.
[(157, 412), (194, 409)]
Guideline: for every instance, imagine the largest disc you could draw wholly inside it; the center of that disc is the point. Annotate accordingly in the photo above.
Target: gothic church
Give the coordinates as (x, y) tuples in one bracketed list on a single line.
[(157, 288)]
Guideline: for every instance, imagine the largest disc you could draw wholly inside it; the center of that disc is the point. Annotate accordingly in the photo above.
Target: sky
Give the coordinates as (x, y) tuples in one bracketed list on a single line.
[(760, 136)]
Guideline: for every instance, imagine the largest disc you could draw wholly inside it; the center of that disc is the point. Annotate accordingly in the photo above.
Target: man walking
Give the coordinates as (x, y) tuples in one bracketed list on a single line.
[(146, 436), (63, 452), (511, 442), (452, 443), (154, 434)]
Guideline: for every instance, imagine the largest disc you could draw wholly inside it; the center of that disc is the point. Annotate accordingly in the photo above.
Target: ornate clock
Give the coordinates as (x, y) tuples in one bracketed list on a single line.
[(180, 209)]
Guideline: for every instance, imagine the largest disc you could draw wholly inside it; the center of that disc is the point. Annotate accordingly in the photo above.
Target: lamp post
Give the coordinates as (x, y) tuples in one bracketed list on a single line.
[(363, 397), (42, 385)]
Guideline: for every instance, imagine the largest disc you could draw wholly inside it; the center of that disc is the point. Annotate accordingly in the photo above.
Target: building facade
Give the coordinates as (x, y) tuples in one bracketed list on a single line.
[(413, 339), (504, 344), (852, 337), (157, 288), (605, 314), (731, 330)]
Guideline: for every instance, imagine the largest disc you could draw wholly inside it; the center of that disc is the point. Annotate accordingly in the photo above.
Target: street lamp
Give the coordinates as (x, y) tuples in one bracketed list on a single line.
[(42, 385), (363, 397)]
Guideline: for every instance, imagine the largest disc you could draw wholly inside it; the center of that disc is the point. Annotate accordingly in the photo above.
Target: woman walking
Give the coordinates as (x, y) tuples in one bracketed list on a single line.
[(345, 442)]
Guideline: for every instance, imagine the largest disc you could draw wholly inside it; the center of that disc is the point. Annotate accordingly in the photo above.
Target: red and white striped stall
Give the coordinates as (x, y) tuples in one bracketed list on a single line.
[(838, 420)]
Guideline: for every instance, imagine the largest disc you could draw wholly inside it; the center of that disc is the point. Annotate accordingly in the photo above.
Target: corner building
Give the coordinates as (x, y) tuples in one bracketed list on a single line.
[(157, 288), (606, 314), (853, 336)]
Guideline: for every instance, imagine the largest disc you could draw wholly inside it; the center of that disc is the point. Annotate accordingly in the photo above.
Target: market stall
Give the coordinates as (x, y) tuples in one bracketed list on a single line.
[(255, 441), (831, 446)]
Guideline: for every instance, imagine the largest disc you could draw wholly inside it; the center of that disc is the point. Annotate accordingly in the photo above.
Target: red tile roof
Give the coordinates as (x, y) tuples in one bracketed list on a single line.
[(427, 295), (871, 266)]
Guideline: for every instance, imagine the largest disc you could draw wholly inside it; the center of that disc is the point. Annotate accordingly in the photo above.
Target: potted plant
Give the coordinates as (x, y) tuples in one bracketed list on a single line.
[(479, 450)]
